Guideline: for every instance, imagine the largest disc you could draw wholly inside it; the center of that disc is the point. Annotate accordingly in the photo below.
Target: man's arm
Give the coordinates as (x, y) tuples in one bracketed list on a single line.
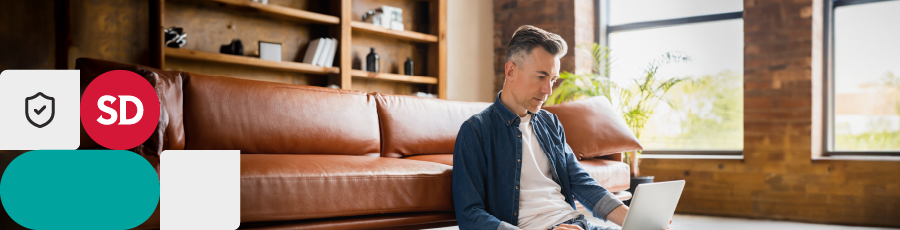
[(618, 215), (594, 197), (468, 182), (602, 203)]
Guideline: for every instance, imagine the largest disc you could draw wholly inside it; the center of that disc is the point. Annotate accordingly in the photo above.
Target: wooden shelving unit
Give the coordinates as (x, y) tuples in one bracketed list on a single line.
[(405, 35), (394, 77), (283, 12), (250, 61), (338, 22)]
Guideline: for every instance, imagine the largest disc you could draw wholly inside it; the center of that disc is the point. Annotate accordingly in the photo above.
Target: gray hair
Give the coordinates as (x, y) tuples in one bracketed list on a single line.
[(527, 37)]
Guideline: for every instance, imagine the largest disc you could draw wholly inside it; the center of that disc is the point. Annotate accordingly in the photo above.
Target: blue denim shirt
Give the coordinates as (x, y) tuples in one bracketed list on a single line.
[(487, 165)]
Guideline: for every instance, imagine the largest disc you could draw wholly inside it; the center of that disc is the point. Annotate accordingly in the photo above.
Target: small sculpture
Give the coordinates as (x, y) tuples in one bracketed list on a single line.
[(175, 37), (235, 48)]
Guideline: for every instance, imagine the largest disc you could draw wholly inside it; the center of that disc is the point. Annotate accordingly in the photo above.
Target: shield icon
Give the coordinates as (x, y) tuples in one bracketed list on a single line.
[(36, 109)]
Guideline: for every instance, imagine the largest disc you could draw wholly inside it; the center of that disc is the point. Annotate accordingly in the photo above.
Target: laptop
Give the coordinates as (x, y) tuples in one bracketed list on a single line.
[(653, 205)]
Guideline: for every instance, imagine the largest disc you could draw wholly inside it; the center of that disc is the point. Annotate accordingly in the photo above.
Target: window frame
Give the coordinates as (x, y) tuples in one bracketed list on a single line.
[(828, 148), (602, 29)]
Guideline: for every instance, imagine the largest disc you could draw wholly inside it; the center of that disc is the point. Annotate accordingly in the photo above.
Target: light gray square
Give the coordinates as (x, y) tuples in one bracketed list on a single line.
[(62, 130), (270, 51)]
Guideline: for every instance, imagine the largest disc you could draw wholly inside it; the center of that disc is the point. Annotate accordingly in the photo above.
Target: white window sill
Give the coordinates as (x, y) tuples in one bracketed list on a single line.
[(681, 156), (857, 158)]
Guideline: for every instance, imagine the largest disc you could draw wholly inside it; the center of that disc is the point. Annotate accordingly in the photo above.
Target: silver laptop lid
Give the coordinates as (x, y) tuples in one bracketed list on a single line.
[(653, 205)]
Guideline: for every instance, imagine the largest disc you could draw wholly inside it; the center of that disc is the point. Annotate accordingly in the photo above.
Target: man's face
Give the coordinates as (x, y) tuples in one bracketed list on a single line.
[(531, 82)]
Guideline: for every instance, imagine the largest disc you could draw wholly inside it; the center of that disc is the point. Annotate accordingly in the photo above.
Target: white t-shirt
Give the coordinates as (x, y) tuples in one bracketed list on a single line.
[(541, 204)]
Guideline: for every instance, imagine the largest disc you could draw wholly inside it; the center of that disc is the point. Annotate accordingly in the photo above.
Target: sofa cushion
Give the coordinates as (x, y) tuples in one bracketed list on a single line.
[(275, 118), (612, 175), (446, 159), (416, 126), (593, 128), (296, 187)]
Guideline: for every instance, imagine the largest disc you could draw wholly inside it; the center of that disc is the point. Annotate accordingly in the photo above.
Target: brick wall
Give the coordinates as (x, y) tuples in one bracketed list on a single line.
[(779, 178), (573, 20)]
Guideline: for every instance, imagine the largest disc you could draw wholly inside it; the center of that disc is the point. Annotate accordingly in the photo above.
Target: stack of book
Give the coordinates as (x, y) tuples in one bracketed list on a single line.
[(321, 52)]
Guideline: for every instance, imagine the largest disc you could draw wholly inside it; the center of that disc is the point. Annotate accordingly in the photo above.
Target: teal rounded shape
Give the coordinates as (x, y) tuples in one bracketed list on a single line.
[(79, 189)]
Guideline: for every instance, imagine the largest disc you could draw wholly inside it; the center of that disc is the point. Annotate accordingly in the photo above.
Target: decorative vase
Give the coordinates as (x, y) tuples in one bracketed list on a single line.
[(372, 61), (408, 67)]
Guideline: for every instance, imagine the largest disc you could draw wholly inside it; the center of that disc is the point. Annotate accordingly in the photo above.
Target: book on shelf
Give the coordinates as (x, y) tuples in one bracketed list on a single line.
[(324, 57), (329, 62), (312, 51), (321, 52)]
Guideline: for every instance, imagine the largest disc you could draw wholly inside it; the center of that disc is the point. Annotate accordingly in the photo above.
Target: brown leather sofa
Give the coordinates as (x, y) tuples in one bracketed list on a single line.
[(321, 158)]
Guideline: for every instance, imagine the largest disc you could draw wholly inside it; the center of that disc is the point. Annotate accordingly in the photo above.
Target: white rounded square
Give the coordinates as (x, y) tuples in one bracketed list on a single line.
[(200, 189), (40, 109)]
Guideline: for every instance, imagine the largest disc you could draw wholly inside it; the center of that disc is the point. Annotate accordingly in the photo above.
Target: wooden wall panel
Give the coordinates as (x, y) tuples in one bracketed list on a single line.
[(209, 26), (113, 30), (26, 35), (387, 87), (299, 4)]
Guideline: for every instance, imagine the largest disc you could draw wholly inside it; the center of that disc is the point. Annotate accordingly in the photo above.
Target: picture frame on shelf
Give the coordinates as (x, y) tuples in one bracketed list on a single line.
[(270, 51)]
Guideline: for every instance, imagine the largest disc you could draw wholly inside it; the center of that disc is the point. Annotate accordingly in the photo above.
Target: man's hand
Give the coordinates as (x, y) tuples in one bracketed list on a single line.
[(618, 216), (567, 227)]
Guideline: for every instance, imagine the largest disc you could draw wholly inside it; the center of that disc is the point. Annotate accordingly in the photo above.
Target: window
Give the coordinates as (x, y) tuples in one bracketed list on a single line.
[(707, 112), (864, 97)]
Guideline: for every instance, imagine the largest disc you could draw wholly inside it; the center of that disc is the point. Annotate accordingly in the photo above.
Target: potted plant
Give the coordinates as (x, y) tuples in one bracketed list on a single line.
[(635, 102)]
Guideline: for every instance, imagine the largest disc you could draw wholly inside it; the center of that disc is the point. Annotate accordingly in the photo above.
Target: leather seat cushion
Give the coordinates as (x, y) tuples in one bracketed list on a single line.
[(612, 175), (413, 125), (446, 159), (296, 187), (271, 118)]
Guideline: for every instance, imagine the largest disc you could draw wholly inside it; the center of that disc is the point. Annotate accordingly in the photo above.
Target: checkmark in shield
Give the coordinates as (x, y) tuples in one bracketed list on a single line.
[(35, 109)]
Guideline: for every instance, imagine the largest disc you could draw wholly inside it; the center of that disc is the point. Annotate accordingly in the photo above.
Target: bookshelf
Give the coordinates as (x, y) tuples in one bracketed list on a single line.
[(405, 35), (282, 11), (298, 22), (393, 77), (250, 61)]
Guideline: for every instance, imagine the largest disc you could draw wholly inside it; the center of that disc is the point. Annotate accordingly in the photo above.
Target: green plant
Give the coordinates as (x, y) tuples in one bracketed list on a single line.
[(635, 102), (710, 115)]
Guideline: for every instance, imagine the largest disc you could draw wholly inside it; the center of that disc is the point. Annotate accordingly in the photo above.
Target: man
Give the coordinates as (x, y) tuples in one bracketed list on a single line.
[(512, 168)]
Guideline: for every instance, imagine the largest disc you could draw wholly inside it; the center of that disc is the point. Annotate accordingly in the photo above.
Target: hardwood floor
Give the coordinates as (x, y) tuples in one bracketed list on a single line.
[(711, 222), (693, 222)]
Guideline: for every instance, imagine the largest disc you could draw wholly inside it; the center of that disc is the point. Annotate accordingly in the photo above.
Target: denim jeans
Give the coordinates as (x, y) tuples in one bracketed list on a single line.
[(582, 222)]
